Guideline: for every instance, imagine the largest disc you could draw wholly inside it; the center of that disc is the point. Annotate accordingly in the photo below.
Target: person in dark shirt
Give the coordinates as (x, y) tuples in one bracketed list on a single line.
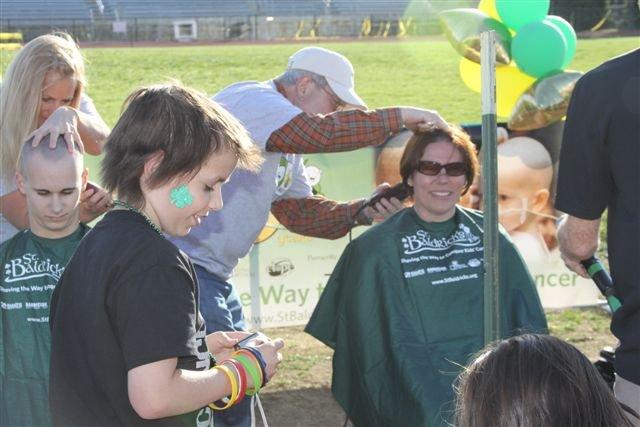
[(129, 345), (599, 170)]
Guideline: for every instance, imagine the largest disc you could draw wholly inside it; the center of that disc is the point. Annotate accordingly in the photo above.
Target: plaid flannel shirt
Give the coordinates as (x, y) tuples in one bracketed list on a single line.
[(340, 131)]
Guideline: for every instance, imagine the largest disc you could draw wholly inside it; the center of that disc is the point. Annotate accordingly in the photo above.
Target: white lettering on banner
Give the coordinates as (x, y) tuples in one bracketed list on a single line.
[(43, 319), (30, 266), (421, 240)]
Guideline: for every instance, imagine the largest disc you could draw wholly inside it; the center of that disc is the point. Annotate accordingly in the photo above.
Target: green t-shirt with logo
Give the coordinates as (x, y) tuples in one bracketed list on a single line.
[(403, 310), (32, 267)]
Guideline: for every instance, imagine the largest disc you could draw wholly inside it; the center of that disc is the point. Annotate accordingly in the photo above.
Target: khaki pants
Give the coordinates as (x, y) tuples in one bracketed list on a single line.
[(628, 393)]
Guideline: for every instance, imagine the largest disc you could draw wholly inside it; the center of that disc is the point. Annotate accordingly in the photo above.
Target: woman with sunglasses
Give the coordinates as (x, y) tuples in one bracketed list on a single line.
[(403, 308)]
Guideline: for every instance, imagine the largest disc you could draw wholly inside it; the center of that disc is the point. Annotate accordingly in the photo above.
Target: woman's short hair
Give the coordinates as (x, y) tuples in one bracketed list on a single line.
[(534, 380), (22, 87), (414, 150), (183, 124)]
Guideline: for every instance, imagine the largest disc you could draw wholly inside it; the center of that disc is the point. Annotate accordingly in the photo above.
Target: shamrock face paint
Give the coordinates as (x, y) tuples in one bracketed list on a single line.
[(181, 197)]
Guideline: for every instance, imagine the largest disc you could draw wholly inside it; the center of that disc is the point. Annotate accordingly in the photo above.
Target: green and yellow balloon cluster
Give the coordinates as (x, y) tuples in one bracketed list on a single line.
[(532, 52)]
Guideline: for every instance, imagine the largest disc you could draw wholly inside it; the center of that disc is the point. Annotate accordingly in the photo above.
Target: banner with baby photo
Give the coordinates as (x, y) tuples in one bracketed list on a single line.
[(281, 280)]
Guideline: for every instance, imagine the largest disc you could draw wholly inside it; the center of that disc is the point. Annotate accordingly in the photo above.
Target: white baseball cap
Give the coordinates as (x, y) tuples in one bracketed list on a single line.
[(332, 66)]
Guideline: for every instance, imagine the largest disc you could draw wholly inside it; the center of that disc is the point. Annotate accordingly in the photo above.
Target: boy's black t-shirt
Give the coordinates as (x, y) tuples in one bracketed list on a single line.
[(128, 297)]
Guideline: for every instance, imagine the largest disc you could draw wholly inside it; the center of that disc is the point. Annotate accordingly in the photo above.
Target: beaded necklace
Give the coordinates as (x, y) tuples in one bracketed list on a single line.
[(130, 208)]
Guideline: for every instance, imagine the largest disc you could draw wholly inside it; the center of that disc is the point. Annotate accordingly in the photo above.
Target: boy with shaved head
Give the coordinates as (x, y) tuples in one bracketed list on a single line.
[(52, 180)]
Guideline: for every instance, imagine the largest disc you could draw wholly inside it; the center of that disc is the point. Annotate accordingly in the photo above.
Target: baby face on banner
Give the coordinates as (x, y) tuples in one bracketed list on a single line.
[(524, 176)]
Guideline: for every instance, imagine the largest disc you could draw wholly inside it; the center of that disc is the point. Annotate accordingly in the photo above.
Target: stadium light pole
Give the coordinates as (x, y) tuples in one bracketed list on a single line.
[(489, 182)]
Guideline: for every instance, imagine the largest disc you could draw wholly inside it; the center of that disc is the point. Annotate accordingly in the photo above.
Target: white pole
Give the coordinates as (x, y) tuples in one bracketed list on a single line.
[(254, 286)]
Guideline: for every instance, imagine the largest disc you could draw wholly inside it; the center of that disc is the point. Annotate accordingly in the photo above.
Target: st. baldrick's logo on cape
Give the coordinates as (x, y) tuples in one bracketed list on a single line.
[(421, 240)]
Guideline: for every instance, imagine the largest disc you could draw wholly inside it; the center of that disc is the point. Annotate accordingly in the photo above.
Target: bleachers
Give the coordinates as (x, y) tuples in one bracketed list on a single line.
[(127, 9), (370, 7), (46, 11), (42, 12), (153, 20)]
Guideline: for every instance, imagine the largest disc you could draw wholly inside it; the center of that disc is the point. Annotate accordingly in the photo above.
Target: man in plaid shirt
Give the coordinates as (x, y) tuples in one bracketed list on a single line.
[(299, 112)]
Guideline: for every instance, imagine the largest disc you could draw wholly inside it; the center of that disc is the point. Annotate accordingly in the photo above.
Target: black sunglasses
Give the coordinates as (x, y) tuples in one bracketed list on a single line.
[(427, 167)]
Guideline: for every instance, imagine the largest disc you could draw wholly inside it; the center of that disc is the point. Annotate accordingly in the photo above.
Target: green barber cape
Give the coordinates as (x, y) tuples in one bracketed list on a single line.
[(403, 311), (32, 267)]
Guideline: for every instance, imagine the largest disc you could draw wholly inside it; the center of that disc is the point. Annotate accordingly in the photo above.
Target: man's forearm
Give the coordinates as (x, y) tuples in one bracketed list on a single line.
[(337, 132), (317, 216)]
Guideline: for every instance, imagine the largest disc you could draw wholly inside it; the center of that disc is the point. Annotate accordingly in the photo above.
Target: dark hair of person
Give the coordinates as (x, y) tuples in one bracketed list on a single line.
[(414, 150), (534, 380), (183, 124)]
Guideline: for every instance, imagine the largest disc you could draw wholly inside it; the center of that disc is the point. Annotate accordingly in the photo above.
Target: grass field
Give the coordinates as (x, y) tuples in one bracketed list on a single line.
[(420, 72)]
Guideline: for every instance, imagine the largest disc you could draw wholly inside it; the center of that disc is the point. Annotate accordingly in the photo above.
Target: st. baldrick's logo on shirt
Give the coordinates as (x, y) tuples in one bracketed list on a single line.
[(421, 240), (29, 266)]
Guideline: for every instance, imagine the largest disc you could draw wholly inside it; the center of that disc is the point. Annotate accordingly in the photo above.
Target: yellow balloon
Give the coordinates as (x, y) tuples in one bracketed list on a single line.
[(470, 74), (489, 7), (510, 84)]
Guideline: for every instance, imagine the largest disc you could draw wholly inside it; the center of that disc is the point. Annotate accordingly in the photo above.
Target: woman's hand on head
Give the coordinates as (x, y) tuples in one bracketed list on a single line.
[(63, 121)]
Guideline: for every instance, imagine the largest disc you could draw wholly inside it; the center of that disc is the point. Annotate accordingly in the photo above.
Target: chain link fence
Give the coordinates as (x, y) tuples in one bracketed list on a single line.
[(620, 14)]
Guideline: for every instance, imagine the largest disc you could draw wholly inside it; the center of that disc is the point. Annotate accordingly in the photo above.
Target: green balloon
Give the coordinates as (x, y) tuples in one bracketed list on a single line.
[(539, 48), (569, 35), (517, 13)]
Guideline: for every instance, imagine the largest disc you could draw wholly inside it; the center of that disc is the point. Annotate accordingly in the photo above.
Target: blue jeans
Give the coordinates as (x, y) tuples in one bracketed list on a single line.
[(220, 306)]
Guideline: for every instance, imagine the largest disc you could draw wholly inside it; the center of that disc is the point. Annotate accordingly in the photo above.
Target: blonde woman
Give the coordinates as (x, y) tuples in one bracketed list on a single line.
[(42, 93)]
